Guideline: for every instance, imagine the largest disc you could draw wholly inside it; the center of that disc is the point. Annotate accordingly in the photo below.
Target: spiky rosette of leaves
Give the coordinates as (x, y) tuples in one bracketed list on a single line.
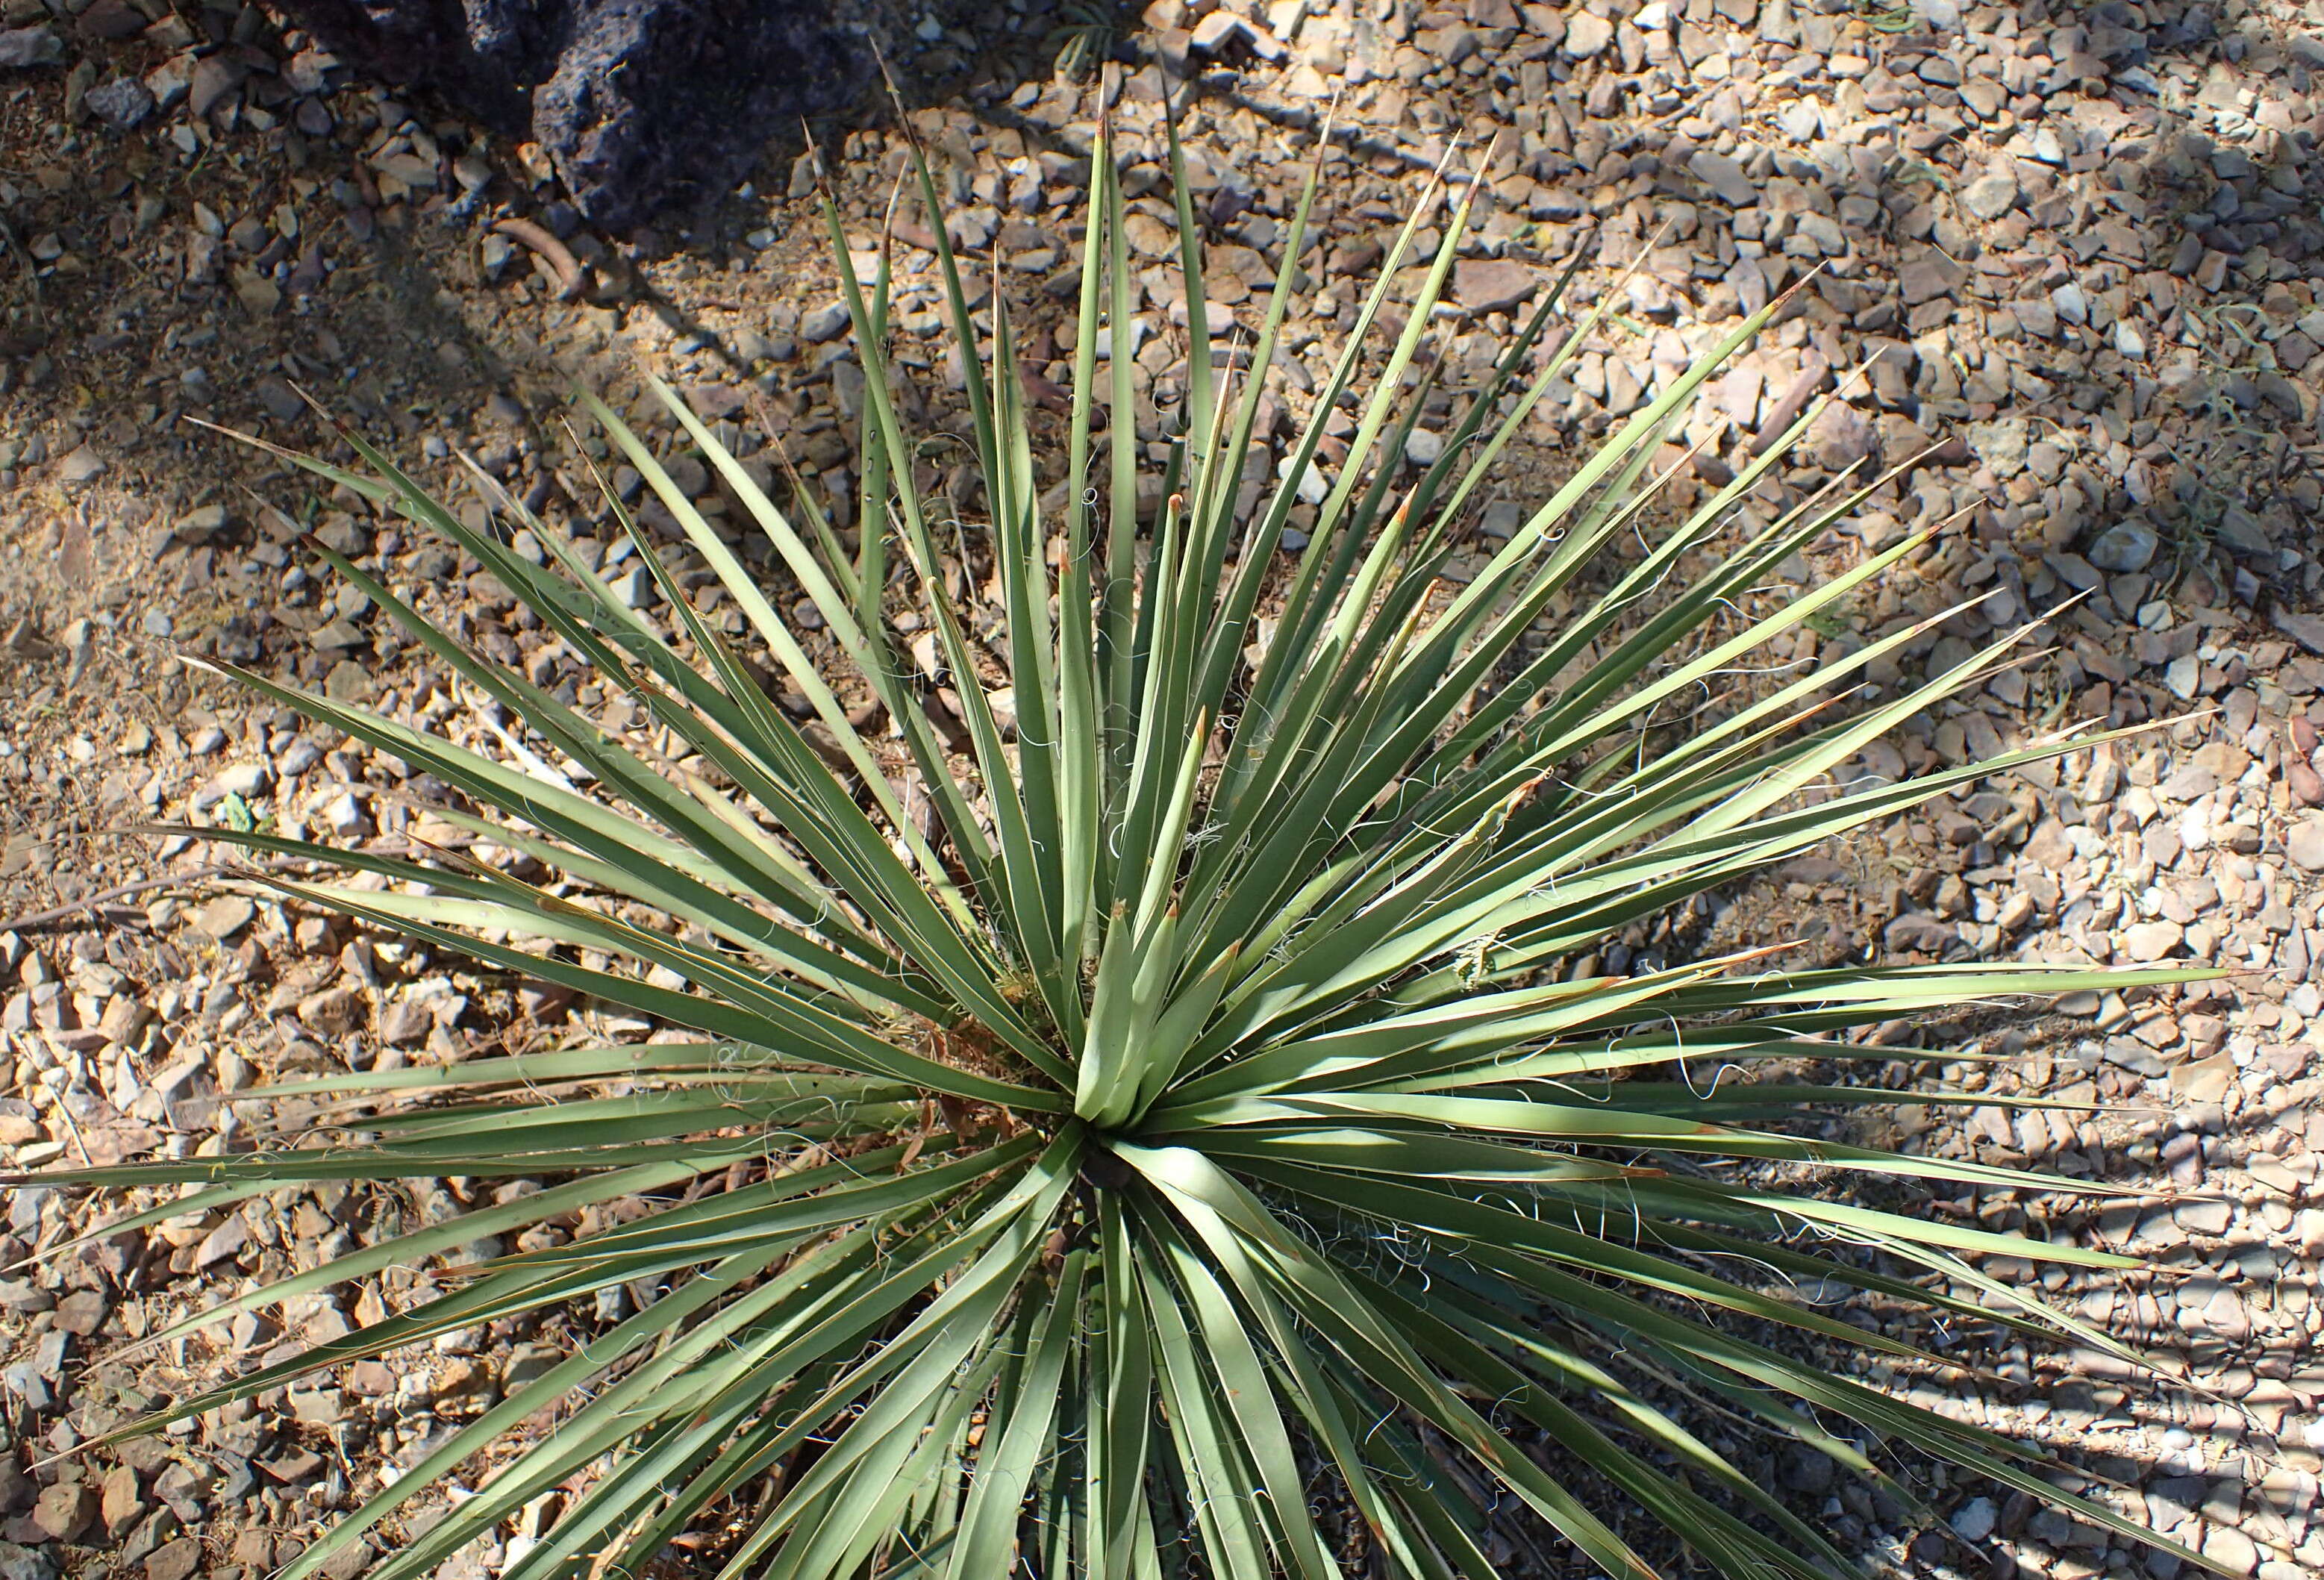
[(1147, 1118)]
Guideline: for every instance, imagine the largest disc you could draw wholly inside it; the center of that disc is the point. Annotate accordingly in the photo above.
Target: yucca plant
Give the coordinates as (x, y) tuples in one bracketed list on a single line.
[(1154, 1112)]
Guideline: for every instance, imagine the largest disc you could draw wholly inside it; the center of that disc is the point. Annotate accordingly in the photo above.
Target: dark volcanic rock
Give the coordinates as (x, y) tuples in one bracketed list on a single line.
[(641, 104)]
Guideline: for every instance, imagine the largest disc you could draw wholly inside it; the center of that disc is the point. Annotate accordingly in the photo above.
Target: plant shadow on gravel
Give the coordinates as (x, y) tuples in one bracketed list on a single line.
[(132, 536)]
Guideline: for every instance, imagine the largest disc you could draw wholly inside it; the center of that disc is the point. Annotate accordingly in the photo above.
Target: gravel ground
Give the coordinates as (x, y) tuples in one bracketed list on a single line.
[(2078, 246)]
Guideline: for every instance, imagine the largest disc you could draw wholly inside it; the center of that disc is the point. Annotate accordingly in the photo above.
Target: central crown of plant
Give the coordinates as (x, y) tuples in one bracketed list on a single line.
[(1157, 1112)]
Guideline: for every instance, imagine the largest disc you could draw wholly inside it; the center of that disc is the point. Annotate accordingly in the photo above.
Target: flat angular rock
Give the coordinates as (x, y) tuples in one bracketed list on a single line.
[(2124, 547), (123, 103), (30, 46), (214, 78), (112, 20), (66, 1509), (1586, 35), (1925, 934), (1492, 285), (2304, 844), (226, 916), (1215, 33), (177, 1560), (1725, 177), (1991, 195), (2307, 630), (1927, 278), (122, 1504)]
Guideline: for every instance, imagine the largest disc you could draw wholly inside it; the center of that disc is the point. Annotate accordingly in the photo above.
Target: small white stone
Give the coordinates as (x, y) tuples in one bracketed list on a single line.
[(635, 589), (1975, 1519)]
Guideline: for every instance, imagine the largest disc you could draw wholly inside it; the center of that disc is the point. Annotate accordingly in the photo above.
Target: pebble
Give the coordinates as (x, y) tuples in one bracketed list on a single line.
[(635, 589), (65, 1510), (826, 322), (1216, 31), (1919, 934), (1492, 285), (226, 916), (122, 1503), (202, 524), (244, 778), (180, 1560), (214, 78), (1991, 195), (23, 47), (2231, 1549), (122, 103), (1586, 34), (1975, 1521), (2124, 548), (2304, 844), (1726, 177), (2204, 1217), (80, 467)]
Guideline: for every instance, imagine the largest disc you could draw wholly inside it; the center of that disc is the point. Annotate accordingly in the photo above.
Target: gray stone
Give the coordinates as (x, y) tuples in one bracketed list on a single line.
[(226, 916), (1215, 33), (202, 524), (1925, 934), (1840, 437), (2124, 547), (635, 589), (1725, 177), (30, 46), (827, 322), (177, 1560), (1975, 1519), (2205, 1215), (214, 78), (65, 1510), (244, 778), (122, 103), (1991, 195), (1492, 285), (405, 1023), (1586, 35), (2304, 844), (1502, 519), (80, 467), (2241, 533), (1928, 277), (527, 1362), (2231, 1549), (2307, 630)]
